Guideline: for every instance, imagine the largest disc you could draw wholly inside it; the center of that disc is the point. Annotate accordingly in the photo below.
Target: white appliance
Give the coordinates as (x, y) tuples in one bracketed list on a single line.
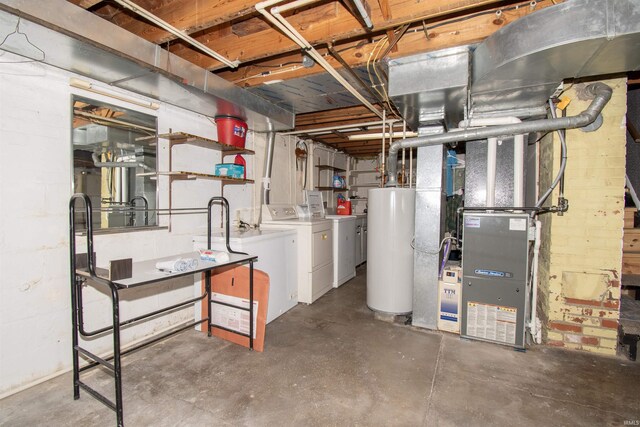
[(276, 251), (391, 214), (450, 299), (315, 247), (344, 248)]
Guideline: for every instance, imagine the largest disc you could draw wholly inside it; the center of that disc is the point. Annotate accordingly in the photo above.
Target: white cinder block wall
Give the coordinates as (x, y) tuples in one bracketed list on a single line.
[(35, 185)]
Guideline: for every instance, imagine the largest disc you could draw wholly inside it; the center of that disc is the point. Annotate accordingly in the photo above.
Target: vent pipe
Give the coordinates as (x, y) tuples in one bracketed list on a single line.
[(600, 91)]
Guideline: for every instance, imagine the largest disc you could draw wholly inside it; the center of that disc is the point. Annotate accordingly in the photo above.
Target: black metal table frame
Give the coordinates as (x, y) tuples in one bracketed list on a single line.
[(78, 279)]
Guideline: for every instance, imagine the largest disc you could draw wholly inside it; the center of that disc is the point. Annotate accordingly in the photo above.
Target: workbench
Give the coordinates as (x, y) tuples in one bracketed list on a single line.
[(142, 274)]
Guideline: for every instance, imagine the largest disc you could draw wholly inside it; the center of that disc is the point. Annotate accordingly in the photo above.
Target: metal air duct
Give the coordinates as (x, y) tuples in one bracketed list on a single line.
[(78, 41), (522, 64)]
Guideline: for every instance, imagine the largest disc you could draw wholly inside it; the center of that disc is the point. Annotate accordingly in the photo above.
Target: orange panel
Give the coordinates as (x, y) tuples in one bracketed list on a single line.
[(234, 281)]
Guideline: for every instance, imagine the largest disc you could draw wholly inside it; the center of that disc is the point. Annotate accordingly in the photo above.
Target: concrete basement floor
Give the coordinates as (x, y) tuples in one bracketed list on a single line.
[(332, 363)]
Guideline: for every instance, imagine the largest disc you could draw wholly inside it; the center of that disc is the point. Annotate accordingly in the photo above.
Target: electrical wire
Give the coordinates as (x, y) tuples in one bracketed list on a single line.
[(376, 43), (454, 21), (563, 160), (451, 238), (276, 66)]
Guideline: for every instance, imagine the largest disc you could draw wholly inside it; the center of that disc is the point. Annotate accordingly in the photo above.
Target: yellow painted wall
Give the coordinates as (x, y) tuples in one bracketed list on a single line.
[(581, 253)]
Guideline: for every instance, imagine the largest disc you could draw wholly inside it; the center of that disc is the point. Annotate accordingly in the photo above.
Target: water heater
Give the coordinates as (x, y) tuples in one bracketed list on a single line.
[(390, 222)]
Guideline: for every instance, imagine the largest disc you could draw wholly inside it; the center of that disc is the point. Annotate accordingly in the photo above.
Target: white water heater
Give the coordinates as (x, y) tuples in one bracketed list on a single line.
[(390, 218)]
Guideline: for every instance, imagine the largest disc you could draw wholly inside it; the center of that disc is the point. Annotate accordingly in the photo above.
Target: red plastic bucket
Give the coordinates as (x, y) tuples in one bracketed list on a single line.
[(344, 208), (231, 130)]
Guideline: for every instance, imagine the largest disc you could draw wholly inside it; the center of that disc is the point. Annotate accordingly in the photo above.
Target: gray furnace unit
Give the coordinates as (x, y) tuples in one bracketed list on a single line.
[(495, 266)]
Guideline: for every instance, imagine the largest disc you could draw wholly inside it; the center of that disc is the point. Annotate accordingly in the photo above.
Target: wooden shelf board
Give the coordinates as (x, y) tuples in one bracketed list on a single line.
[(331, 189), (329, 167), (366, 186), (183, 175), (177, 138), (364, 171)]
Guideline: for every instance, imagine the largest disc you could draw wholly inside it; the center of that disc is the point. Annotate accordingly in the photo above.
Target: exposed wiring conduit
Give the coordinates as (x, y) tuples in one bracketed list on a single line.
[(338, 127), (600, 91), (563, 158), (176, 32), (268, 164), (534, 322)]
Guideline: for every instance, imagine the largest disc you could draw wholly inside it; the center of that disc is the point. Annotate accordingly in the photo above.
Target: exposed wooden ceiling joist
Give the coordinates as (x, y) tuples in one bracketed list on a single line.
[(85, 4), (356, 53), (188, 16), (235, 30), (317, 28)]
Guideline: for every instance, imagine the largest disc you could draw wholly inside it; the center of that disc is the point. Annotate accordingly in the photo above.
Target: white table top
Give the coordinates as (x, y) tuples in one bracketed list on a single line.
[(145, 272)]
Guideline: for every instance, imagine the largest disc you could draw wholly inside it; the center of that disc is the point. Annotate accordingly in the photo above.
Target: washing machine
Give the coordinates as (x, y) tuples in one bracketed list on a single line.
[(344, 248), (276, 251), (315, 246)]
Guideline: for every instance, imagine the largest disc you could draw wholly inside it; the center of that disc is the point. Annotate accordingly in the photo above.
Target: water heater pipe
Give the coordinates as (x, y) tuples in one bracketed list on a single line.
[(600, 91)]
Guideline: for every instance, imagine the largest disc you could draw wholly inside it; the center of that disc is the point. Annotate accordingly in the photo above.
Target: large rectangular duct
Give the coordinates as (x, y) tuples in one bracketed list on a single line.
[(429, 223), (514, 71), (78, 41), (430, 88), (522, 64)]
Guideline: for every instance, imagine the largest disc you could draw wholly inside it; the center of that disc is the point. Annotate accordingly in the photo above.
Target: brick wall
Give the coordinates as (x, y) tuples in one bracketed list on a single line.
[(581, 253)]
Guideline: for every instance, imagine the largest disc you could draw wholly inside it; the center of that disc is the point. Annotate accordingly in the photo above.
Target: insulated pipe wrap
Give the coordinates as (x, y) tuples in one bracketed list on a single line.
[(600, 91)]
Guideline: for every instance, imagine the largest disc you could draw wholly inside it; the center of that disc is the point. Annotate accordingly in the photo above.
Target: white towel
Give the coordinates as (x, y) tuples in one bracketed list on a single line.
[(177, 265), (213, 256)]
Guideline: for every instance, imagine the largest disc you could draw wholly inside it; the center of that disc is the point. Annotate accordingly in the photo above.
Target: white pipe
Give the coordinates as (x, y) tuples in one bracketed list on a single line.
[(363, 13), (294, 5), (518, 171), (176, 32), (518, 158), (88, 86), (369, 136), (383, 164), (534, 322), (323, 129), (492, 155), (278, 20), (404, 167), (411, 168), (632, 191)]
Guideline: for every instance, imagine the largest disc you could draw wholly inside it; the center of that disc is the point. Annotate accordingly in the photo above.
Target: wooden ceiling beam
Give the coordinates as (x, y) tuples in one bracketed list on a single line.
[(342, 26), (188, 16), (85, 4), (356, 53)]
